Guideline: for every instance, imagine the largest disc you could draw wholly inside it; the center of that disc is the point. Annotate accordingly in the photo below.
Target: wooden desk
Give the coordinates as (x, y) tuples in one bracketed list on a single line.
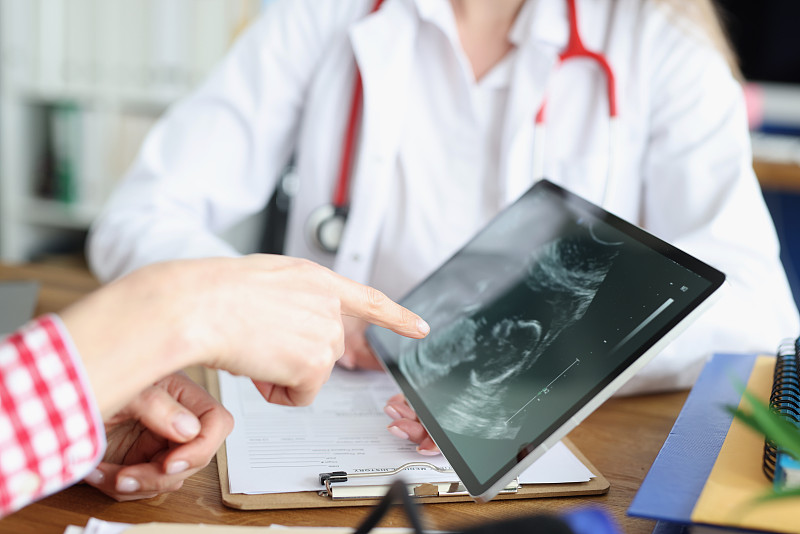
[(621, 438), (778, 176)]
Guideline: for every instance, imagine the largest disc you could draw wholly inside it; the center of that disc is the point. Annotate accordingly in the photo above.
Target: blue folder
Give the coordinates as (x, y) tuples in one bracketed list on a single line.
[(676, 479)]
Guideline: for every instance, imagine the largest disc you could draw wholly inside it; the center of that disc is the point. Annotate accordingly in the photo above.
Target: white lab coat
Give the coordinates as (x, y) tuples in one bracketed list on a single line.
[(683, 172)]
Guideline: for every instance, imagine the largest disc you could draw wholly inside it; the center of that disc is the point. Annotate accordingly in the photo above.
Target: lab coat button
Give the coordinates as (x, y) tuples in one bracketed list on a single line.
[(356, 257)]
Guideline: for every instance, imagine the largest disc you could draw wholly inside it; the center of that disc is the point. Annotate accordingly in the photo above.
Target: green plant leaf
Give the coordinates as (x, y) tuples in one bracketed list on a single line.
[(746, 418), (779, 494), (776, 427)]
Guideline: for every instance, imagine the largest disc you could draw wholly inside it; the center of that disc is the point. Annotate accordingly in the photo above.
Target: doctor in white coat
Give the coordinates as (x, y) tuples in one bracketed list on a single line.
[(446, 137)]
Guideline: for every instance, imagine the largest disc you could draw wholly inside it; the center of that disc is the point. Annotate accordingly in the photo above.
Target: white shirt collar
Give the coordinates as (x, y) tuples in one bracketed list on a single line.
[(539, 20)]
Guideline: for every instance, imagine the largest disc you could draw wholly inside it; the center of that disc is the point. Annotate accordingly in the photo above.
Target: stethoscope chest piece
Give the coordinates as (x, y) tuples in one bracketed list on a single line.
[(325, 227)]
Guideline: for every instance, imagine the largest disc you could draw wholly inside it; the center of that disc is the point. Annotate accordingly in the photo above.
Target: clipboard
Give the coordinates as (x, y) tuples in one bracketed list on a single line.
[(320, 499)]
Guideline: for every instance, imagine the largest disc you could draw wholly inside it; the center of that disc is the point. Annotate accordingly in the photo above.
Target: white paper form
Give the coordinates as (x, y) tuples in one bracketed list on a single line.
[(279, 449)]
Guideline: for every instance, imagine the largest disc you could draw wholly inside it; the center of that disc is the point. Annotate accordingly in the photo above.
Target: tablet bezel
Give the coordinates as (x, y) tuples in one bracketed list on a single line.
[(601, 391)]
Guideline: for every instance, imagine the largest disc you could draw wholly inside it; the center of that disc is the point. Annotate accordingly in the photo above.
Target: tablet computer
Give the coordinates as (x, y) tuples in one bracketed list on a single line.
[(535, 322)]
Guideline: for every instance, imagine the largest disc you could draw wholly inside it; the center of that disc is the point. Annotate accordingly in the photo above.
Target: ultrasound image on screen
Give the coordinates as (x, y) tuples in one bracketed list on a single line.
[(529, 320), (488, 348)]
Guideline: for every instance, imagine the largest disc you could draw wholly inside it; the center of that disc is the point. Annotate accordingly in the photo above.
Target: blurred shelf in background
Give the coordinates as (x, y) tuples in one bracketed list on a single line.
[(81, 83)]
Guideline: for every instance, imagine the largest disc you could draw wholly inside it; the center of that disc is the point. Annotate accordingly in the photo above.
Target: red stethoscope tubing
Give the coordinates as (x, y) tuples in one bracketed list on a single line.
[(342, 186), (340, 194), (575, 49)]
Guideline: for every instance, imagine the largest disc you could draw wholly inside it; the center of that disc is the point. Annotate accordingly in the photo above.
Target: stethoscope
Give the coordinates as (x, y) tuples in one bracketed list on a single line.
[(325, 225)]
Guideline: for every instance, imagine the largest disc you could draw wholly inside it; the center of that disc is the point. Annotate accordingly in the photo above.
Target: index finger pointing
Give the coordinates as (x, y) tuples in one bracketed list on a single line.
[(371, 305)]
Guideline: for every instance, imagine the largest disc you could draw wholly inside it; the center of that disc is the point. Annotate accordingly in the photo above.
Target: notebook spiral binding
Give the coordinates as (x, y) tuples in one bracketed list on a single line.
[(785, 396)]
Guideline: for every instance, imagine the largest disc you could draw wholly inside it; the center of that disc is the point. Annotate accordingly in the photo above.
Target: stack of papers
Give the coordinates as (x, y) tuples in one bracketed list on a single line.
[(278, 449)]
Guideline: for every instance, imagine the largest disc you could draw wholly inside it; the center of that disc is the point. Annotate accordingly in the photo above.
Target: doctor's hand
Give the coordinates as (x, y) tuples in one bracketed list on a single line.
[(406, 425), (167, 433), (357, 352)]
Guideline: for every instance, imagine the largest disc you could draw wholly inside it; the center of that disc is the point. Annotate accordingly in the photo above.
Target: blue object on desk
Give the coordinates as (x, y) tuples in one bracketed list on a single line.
[(591, 521), (787, 472), (684, 456)]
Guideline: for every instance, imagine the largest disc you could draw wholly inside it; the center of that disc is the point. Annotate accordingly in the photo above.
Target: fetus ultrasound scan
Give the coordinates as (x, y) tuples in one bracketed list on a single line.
[(530, 320), (487, 349)]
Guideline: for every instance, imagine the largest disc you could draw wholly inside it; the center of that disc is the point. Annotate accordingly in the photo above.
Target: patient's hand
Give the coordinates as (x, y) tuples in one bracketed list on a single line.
[(357, 353), (166, 434), (406, 425)]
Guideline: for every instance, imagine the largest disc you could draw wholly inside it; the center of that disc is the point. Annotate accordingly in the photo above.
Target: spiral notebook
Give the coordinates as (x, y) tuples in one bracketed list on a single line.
[(779, 466)]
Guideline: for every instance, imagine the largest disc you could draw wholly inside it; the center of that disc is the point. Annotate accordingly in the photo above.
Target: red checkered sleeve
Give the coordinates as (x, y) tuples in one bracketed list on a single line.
[(51, 432)]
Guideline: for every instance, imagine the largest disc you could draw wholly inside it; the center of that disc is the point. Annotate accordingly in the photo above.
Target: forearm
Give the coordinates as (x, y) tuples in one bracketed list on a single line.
[(275, 319), (129, 334)]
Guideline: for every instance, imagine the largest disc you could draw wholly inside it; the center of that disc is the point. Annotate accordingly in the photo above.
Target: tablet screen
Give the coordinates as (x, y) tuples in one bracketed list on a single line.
[(530, 321)]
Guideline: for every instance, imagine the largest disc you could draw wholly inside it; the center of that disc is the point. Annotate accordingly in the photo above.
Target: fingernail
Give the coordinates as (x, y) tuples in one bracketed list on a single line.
[(95, 477), (428, 452), (127, 485), (397, 432), (391, 412), (187, 425), (179, 466), (423, 327)]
